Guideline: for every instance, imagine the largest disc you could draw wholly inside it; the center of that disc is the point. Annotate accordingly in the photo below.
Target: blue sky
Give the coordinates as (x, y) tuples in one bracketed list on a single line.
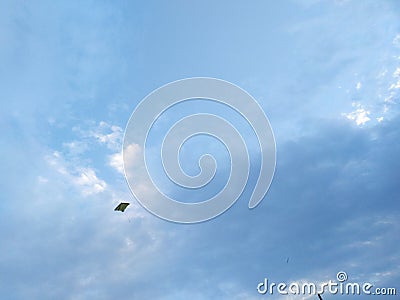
[(327, 74)]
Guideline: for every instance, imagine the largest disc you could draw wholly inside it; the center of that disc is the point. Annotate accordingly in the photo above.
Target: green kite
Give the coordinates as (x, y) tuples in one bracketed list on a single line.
[(121, 207)]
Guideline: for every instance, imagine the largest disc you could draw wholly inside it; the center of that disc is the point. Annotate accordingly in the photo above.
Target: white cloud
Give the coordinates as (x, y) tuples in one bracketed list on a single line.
[(116, 162), (135, 171), (360, 116), (84, 178), (89, 182), (358, 85), (396, 84), (76, 147), (396, 40), (131, 155), (396, 73), (382, 74), (109, 135), (113, 139), (55, 160), (42, 179)]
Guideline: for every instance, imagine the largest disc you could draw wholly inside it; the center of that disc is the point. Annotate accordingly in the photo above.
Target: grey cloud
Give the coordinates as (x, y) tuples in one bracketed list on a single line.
[(326, 210)]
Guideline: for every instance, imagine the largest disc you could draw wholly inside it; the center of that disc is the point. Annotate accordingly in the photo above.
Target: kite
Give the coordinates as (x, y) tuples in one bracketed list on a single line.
[(121, 207)]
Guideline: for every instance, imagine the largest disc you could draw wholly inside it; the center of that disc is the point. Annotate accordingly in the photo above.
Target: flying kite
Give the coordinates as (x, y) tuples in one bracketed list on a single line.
[(121, 207)]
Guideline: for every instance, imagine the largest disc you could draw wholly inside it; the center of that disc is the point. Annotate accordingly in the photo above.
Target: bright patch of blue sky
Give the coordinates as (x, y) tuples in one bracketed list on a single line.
[(327, 74)]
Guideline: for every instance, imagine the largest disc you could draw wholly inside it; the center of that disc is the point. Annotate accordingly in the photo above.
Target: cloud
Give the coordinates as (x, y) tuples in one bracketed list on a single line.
[(61, 237), (396, 40), (83, 178), (131, 158), (396, 75), (360, 116), (42, 179), (112, 139), (89, 182), (116, 162), (76, 147), (333, 203), (319, 212), (104, 133)]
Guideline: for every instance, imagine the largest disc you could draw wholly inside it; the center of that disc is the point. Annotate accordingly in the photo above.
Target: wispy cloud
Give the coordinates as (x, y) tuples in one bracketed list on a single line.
[(85, 178), (102, 132), (116, 162), (360, 116)]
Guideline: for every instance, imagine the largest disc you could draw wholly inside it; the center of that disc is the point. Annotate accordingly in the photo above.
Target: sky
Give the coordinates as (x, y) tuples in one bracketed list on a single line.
[(327, 75)]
